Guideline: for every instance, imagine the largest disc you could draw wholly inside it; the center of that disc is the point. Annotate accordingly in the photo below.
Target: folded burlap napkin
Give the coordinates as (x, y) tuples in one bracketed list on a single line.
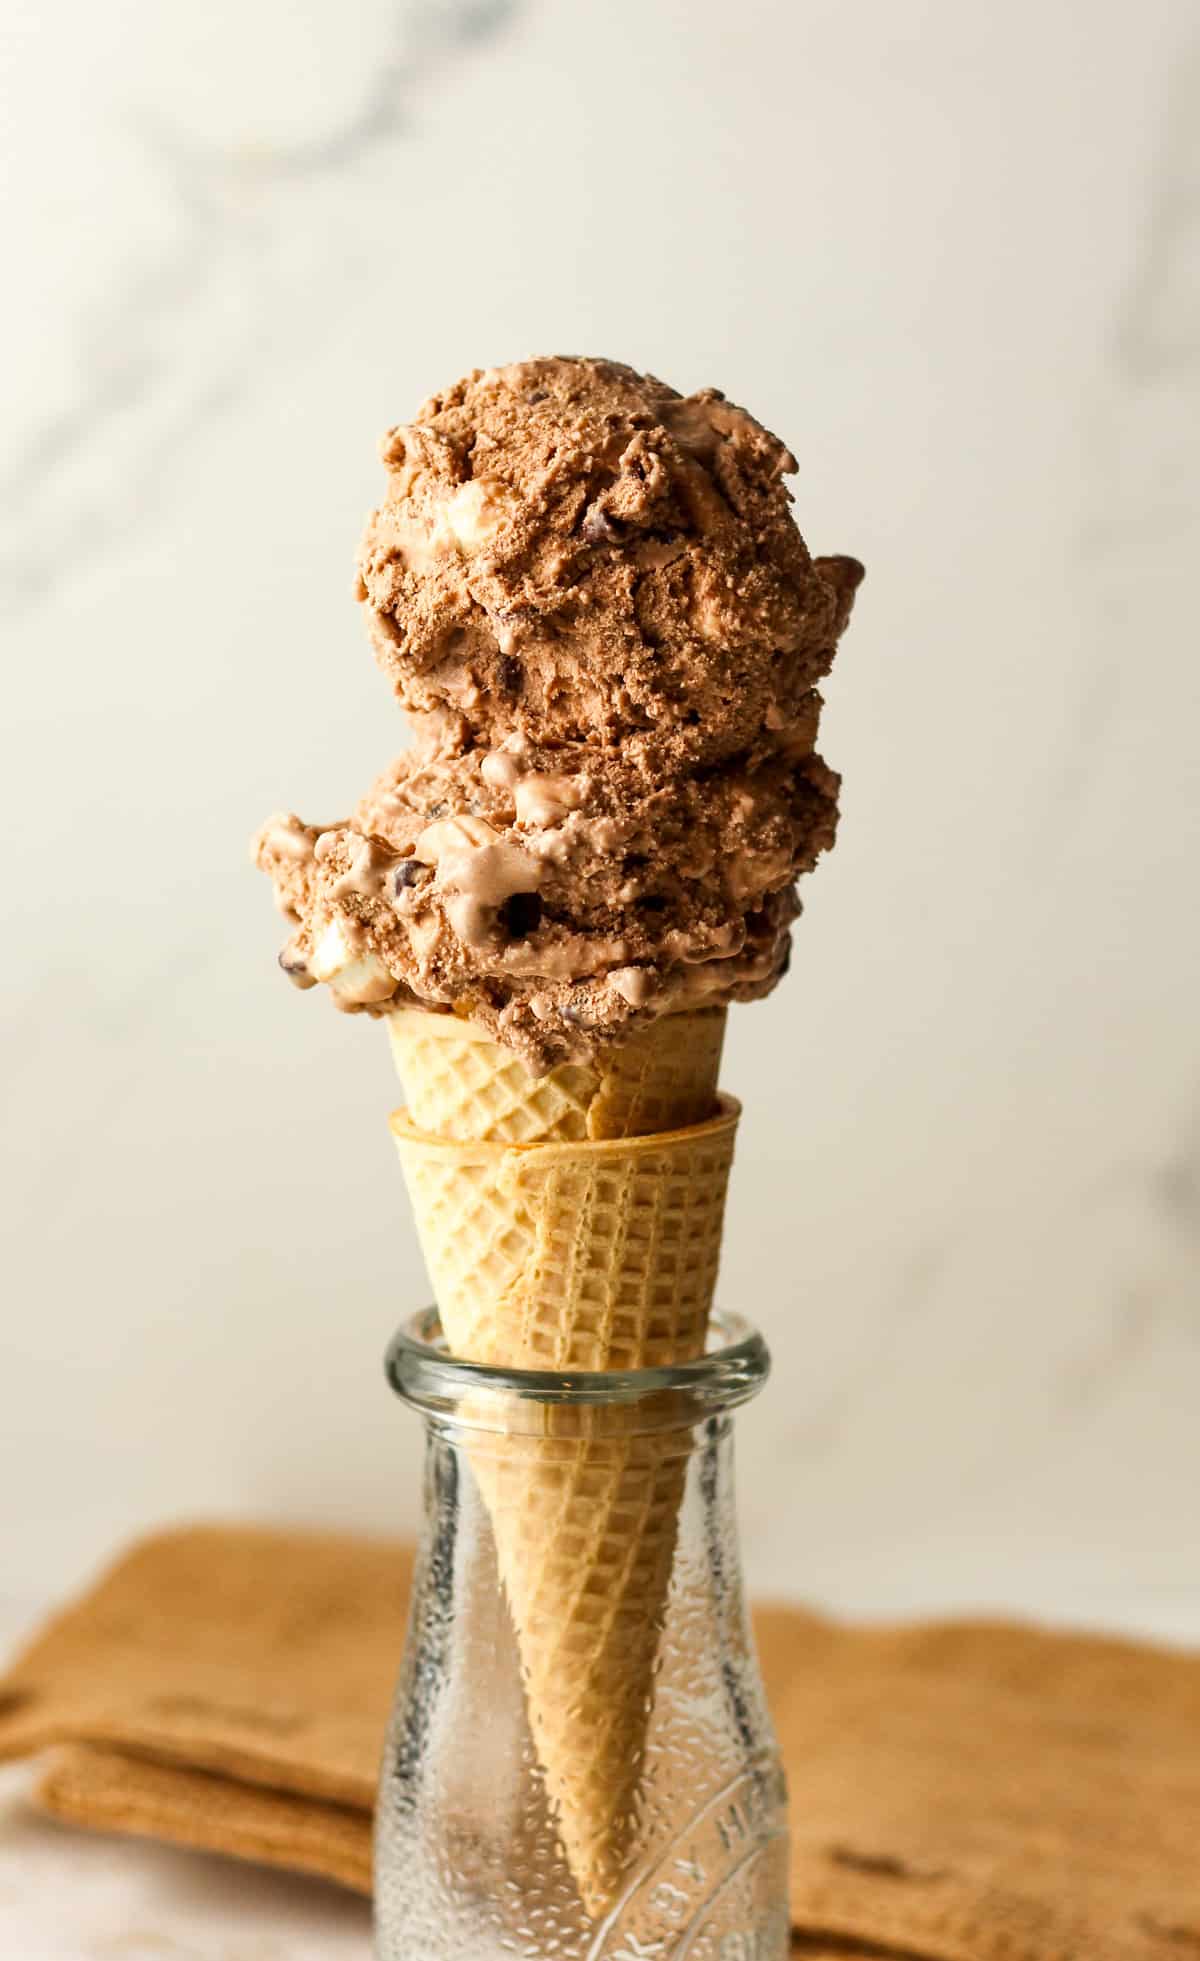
[(967, 1792)]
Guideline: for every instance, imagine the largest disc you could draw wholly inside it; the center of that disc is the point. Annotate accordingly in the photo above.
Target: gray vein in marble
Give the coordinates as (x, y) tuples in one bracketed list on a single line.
[(1154, 340), (1148, 1292), (1143, 468), (881, 1359), (1127, 1332), (420, 37), (1176, 1183), (155, 372), (1158, 328)]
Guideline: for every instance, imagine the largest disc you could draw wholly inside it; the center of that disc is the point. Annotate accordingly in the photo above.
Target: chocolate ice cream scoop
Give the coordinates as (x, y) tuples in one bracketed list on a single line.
[(591, 596), (574, 551)]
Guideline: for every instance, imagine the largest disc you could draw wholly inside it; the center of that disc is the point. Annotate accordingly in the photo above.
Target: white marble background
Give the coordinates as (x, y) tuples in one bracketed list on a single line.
[(952, 252)]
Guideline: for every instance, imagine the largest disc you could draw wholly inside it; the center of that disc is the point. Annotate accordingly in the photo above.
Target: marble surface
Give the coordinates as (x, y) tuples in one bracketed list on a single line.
[(963, 279), (68, 1896)]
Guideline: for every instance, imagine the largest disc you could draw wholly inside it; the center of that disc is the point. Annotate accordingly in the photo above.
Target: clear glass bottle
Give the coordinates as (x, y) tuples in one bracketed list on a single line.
[(480, 1852)]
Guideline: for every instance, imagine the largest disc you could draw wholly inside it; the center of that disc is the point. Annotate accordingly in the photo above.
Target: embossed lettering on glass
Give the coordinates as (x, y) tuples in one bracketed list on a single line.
[(596, 1780)]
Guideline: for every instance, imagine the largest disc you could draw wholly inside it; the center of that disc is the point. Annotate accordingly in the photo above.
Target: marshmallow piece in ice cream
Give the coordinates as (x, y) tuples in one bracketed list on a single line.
[(478, 869), (360, 979)]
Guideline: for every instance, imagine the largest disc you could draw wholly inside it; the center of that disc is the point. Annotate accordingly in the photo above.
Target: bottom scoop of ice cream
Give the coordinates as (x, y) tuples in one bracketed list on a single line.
[(557, 897)]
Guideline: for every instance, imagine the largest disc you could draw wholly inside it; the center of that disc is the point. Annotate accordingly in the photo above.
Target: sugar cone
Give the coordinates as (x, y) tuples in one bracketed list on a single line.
[(572, 1256), (589, 1249), (459, 1083), (566, 1256), (585, 1529)]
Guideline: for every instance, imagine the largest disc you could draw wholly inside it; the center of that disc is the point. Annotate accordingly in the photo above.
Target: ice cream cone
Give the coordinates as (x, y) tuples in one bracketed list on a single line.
[(579, 1255), (599, 1255), (585, 1528), (459, 1083)]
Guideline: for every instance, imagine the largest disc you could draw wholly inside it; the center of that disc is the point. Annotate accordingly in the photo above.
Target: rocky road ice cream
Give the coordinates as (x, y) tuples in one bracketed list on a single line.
[(590, 596)]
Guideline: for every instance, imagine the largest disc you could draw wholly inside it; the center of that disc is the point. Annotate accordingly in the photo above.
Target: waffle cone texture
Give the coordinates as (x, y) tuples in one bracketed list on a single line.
[(585, 1530), (576, 1252), (573, 1256), (460, 1084)]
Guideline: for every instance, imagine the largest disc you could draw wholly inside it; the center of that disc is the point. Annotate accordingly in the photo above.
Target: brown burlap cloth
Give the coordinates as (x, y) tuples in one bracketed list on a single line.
[(970, 1792)]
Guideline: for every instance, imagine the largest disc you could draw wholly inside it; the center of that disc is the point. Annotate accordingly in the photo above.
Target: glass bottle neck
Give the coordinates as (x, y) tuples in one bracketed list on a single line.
[(540, 1404)]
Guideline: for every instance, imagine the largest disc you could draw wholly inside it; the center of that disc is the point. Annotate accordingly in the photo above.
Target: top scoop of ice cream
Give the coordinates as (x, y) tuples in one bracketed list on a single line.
[(590, 595), (575, 552)]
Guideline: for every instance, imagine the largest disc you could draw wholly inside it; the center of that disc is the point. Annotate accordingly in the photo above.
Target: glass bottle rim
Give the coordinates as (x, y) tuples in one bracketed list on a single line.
[(424, 1374)]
